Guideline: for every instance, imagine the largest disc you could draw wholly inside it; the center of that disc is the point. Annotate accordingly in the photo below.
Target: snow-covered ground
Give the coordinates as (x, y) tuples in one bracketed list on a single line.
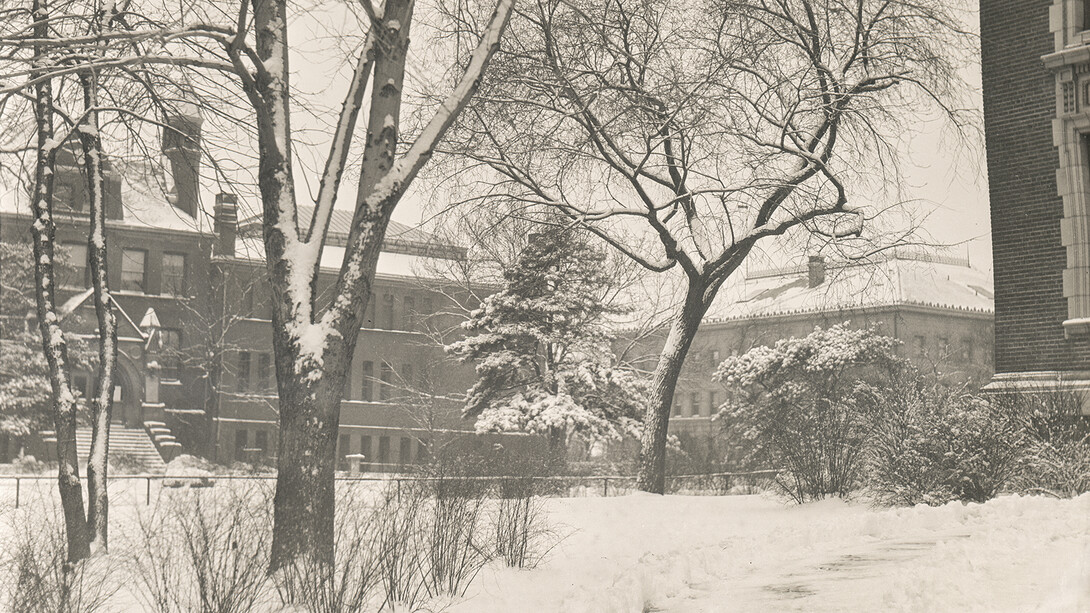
[(691, 554), (750, 553)]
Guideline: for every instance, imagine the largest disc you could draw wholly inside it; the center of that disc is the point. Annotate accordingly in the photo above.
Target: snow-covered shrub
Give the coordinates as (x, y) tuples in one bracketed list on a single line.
[(35, 576), (933, 444), (125, 463), (1057, 441), (806, 405)]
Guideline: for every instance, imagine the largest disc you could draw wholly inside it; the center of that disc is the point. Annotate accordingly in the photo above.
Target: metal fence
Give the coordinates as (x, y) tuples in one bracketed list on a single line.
[(719, 483)]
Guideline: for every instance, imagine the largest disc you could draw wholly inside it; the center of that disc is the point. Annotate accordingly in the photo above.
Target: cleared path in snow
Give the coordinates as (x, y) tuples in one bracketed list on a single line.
[(747, 553)]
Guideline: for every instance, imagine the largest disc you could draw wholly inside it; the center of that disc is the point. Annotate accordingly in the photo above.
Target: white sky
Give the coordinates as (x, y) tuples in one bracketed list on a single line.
[(945, 181)]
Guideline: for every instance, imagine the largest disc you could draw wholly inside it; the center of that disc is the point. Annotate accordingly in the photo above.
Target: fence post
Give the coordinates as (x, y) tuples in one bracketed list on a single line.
[(17, 480), (398, 490), (147, 494), (605, 487)]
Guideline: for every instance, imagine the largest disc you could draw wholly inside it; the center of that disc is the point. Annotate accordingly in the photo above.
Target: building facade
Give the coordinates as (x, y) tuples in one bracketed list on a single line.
[(195, 357), (1036, 84), (940, 308)]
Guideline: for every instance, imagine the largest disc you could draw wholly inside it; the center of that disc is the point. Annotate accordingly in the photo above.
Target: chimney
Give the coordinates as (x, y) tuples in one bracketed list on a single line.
[(816, 271), (182, 146), (226, 225)]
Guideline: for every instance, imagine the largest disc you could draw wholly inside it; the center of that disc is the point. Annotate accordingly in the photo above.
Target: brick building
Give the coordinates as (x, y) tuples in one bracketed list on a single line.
[(939, 307), (195, 360), (1036, 78)]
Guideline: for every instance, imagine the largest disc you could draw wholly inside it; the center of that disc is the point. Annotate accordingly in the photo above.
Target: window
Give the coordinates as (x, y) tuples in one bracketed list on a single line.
[(241, 438), (367, 381), (677, 404), (365, 451), (264, 371), (388, 311), (246, 307), (694, 404), (944, 348), (243, 375), (405, 450), (713, 405), (132, 270), (170, 361), (76, 273), (261, 441), (173, 277), (422, 454), (383, 450), (369, 315), (65, 195), (407, 375), (344, 447), (408, 313), (387, 380), (428, 308), (920, 346), (716, 359), (80, 384), (967, 350), (423, 378)]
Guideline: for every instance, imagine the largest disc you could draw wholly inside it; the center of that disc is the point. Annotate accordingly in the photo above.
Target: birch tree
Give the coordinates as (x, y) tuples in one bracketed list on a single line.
[(685, 135), (58, 55)]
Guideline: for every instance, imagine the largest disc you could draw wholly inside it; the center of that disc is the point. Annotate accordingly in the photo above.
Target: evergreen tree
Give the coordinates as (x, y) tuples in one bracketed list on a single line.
[(542, 351), (25, 393)]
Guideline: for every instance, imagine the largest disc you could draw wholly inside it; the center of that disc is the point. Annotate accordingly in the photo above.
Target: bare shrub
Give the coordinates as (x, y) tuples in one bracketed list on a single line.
[(205, 551), (36, 575), (521, 536), (399, 558), (450, 532), (352, 582)]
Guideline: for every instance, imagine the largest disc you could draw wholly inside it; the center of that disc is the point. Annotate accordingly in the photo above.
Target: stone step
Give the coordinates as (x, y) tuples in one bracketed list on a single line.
[(131, 442)]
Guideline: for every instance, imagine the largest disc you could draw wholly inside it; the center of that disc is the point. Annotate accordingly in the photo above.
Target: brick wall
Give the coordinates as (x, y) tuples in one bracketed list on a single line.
[(1019, 105)]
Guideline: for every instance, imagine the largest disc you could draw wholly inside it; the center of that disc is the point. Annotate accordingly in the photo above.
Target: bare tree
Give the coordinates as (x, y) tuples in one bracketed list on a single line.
[(682, 135), (313, 346), (685, 134), (68, 54), (43, 231)]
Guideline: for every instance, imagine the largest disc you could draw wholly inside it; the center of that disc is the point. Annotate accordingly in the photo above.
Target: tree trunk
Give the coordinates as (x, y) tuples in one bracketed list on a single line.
[(652, 461), (310, 412), (102, 403), (43, 231), (304, 504)]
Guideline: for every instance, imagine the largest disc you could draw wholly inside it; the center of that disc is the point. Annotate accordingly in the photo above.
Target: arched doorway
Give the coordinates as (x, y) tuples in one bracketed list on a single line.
[(128, 392)]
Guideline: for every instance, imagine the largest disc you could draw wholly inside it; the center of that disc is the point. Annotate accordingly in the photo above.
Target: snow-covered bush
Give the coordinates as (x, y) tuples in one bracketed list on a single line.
[(1057, 441), (933, 444), (25, 392), (806, 405)]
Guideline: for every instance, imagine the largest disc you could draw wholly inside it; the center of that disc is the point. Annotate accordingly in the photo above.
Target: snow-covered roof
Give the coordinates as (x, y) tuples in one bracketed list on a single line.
[(898, 278), (143, 207), (390, 263), (400, 238)]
